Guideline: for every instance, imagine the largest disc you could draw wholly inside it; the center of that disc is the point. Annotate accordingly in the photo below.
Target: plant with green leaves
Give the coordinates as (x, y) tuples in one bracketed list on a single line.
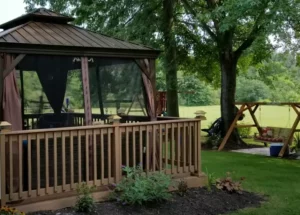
[(138, 188), (211, 180), (85, 201)]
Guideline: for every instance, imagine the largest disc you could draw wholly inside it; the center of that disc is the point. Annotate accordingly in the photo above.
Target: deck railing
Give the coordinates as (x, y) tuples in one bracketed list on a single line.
[(36, 163)]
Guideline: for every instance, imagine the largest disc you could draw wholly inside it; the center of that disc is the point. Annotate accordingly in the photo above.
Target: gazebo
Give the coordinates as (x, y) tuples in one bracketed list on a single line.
[(44, 156)]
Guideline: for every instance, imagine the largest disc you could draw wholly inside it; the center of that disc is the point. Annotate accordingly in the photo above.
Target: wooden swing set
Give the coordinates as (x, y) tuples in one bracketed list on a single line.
[(269, 134)]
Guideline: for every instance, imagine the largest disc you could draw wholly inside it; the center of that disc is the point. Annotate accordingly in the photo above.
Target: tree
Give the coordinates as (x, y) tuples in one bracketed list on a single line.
[(211, 35), (231, 27)]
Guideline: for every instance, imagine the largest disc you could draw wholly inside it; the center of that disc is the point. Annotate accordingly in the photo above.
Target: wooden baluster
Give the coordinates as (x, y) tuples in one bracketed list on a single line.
[(147, 150), (134, 146), (160, 147), (141, 147), (63, 161), (87, 176), (11, 170), (190, 146), (20, 143), (173, 149), (47, 162), (184, 147), (38, 163), (127, 146), (167, 147), (79, 157), (72, 159), (178, 148), (153, 142), (29, 164), (95, 157), (55, 162), (102, 155)]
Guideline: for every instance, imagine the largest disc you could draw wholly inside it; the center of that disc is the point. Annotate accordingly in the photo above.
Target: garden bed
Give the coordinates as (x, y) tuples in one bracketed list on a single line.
[(195, 201)]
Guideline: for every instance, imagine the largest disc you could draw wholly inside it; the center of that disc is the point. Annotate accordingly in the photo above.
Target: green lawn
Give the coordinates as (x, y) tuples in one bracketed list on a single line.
[(280, 116), (276, 178)]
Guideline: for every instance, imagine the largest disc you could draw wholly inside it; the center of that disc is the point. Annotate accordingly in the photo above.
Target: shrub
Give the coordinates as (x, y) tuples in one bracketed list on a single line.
[(85, 201), (182, 188), (244, 132), (214, 141), (137, 188), (229, 185), (211, 180), (10, 211)]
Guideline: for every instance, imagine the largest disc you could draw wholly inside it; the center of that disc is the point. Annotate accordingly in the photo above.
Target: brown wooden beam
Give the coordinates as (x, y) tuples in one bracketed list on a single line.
[(14, 63), (231, 128), (252, 113), (1, 85)]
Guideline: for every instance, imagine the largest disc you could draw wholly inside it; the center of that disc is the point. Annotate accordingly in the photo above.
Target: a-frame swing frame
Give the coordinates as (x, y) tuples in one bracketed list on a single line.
[(252, 108)]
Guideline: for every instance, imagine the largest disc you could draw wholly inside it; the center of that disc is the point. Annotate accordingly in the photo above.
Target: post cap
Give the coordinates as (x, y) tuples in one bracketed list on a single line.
[(200, 114)]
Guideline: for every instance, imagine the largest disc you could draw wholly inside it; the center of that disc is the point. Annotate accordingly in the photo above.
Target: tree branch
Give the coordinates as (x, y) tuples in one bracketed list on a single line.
[(189, 9), (252, 36)]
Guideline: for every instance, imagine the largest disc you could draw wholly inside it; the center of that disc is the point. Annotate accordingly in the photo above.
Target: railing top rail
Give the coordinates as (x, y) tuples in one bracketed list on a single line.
[(78, 128)]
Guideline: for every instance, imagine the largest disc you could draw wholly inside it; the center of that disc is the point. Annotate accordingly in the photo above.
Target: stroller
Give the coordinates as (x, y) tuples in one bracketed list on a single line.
[(217, 127)]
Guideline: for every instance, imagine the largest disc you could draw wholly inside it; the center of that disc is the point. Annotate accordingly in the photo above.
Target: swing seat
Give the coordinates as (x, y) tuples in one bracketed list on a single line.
[(277, 135)]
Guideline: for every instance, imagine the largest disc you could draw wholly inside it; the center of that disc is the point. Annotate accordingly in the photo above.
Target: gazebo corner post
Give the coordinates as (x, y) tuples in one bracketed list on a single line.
[(86, 91), (5, 127), (117, 141), (1, 84)]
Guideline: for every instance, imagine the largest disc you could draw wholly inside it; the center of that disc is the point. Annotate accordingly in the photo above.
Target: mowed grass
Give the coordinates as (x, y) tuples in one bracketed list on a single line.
[(278, 179), (276, 116)]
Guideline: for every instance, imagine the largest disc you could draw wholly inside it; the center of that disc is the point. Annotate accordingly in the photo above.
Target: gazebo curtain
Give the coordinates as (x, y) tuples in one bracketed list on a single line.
[(148, 74), (12, 109), (53, 74)]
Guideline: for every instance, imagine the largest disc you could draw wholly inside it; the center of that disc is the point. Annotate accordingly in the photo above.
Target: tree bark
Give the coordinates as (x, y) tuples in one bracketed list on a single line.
[(170, 57), (228, 86)]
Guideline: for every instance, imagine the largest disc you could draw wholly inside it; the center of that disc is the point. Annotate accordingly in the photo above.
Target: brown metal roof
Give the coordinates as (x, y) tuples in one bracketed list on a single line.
[(45, 28)]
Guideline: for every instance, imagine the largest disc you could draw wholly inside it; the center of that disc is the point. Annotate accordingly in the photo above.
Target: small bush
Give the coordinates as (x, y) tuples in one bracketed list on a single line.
[(137, 188), (85, 201), (10, 211), (182, 188), (229, 185), (244, 132), (214, 141), (211, 180)]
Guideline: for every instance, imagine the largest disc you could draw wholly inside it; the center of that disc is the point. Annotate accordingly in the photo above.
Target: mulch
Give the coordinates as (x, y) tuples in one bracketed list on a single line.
[(195, 201)]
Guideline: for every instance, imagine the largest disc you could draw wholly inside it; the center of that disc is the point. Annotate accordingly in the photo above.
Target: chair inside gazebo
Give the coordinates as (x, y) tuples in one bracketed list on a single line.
[(116, 87)]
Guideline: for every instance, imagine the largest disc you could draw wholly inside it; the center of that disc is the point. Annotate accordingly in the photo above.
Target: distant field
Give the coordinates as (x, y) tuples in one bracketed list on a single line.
[(276, 116)]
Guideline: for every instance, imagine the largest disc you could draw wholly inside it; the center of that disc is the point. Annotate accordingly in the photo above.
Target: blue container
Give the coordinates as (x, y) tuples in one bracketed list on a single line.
[(275, 149)]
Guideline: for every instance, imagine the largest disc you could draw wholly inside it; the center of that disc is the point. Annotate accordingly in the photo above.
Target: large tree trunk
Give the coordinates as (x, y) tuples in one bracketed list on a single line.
[(228, 87), (170, 57)]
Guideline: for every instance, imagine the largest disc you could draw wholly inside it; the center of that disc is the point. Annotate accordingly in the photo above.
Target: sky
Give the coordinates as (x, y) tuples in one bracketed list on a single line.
[(10, 9)]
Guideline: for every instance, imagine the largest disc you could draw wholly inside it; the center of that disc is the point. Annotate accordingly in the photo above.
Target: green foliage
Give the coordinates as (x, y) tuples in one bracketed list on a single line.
[(296, 142), (229, 185), (249, 90), (194, 92), (182, 187), (85, 201), (211, 180), (244, 132), (5, 210), (214, 141), (138, 188)]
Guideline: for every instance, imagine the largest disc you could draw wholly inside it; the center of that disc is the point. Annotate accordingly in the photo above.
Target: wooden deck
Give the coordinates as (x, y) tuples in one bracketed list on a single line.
[(40, 164)]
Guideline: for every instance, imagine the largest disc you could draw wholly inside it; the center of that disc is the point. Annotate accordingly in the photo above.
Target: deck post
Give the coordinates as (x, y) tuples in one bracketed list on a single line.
[(1, 84), (117, 162), (5, 127), (201, 116)]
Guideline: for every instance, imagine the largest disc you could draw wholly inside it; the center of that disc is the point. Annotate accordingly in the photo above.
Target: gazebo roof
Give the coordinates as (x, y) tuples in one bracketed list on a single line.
[(46, 32)]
